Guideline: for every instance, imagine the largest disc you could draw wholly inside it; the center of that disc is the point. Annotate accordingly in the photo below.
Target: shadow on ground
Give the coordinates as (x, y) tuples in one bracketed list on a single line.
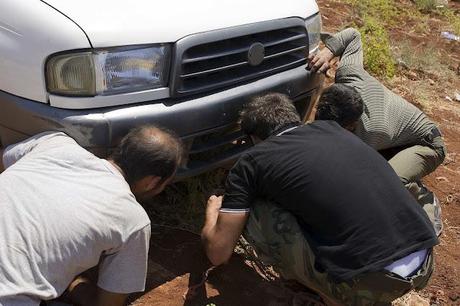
[(177, 262)]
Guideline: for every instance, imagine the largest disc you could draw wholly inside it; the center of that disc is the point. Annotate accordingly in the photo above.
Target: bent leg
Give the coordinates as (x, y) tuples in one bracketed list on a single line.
[(278, 241), (415, 162), (411, 165)]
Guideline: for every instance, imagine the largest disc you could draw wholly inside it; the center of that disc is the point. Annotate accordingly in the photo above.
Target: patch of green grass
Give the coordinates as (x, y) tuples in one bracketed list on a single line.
[(421, 59), (426, 5), (183, 204), (383, 10), (422, 25), (453, 19), (378, 58), (430, 69), (374, 16), (431, 6)]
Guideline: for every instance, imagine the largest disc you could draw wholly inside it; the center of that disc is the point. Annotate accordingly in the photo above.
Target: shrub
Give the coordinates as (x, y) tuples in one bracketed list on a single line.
[(453, 18), (426, 5), (375, 14), (183, 204), (378, 58), (383, 10)]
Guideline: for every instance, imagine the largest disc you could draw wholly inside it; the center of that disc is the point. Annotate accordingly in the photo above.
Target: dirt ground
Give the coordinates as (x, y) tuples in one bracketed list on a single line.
[(177, 262)]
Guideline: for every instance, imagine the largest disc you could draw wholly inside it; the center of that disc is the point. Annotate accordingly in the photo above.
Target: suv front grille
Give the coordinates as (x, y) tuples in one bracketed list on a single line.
[(224, 62), (219, 147)]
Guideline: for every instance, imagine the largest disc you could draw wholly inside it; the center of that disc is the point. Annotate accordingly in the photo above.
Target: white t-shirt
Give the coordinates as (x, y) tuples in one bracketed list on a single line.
[(62, 211)]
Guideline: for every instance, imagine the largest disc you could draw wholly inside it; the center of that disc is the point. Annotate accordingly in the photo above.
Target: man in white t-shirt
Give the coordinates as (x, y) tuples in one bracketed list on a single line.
[(64, 211)]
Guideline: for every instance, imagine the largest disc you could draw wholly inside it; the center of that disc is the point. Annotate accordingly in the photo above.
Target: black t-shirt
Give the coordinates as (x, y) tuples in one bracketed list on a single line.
[(355, 212)]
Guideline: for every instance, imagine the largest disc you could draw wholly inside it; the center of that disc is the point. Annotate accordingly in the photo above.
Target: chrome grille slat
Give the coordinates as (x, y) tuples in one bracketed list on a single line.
[(209, 57), (209, 61), (213, 70), (285, 52), (300, 36)]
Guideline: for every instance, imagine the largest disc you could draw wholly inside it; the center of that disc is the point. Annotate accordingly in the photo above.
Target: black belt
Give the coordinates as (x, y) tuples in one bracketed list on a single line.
[(435, 132)]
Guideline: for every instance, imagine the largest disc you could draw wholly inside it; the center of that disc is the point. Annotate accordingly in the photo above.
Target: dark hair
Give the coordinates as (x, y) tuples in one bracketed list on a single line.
[(266, 114), (148, 150), (340, 103)]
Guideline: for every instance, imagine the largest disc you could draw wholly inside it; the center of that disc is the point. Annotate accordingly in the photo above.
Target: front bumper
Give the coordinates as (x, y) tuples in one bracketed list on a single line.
[(100, 129)]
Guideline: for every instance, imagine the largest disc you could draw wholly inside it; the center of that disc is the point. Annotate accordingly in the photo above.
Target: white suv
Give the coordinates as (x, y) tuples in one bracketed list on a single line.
[(94, 69)]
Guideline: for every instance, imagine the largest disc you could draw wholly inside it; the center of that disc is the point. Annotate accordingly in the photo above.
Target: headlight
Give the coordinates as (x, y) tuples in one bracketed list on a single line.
[(108, 72), (313, 25)]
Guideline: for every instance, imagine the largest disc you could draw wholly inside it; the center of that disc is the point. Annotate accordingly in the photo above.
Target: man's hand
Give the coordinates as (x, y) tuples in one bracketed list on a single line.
[(212, 208), (320, 62), (212, 214)]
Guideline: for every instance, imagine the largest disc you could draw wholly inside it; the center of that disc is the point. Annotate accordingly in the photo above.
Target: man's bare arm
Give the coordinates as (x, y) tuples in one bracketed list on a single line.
[(221, 231)]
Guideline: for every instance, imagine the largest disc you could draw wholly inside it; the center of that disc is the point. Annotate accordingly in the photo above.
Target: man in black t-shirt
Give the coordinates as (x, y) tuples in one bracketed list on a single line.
[(322, 207)]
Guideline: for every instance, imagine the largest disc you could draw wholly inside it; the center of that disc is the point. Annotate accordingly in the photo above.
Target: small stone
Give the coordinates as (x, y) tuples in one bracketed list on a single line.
[(442, 179), (431, 82), (457, 96), (454, 297), (416, 300), (402, 63), (412, 75), (449, 99)]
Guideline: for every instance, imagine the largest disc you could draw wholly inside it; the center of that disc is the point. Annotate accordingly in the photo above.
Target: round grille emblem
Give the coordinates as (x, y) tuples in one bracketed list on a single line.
[(256, 54)]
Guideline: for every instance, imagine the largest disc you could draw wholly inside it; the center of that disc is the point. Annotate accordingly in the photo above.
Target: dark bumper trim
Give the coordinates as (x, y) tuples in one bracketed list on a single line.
[(103, 127)]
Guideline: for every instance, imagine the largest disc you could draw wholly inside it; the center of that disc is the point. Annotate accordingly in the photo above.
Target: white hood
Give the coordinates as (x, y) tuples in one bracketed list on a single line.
[(121, 22)]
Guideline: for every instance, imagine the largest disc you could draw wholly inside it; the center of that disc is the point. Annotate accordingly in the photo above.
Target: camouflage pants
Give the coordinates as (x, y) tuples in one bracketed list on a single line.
[(278, 240)]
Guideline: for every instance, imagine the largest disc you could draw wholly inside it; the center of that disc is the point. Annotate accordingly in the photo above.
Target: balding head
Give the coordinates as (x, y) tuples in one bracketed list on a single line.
[(148, 151)]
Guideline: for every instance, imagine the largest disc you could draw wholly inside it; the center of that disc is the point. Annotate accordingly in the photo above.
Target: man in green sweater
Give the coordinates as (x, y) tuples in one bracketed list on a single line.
[(379, 117)]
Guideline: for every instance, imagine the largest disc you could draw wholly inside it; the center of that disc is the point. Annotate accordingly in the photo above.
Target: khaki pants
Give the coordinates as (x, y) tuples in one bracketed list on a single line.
[(278, 240), (413, 163)]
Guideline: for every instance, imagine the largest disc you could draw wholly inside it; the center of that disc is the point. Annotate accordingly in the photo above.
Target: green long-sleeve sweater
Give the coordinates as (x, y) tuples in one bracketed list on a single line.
[(388, 120)]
